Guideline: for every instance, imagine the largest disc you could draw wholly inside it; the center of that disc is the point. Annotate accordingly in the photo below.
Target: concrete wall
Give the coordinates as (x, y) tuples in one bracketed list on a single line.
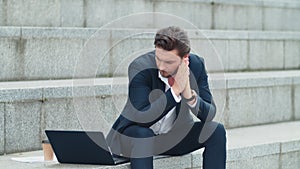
[(28, 108), (296, 102), (259, 105), (204, 14), (256, 101), (2, 136), (273, 155), (55, 53), (22, 126), (23, 123)]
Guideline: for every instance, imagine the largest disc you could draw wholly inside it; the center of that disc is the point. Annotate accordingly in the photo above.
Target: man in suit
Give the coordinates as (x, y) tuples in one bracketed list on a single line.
[(167, 87)]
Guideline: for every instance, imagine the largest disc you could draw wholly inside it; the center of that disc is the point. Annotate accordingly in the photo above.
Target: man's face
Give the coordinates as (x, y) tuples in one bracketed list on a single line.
[(167, 61)]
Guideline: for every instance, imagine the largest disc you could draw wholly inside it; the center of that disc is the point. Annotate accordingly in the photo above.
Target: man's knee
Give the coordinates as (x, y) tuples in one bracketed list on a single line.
[(212, 131), (220, 130), (137, 142), (143, 132), (219, 134)]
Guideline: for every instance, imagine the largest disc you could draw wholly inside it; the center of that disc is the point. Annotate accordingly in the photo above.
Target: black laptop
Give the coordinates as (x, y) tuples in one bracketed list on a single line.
[(82, 147)]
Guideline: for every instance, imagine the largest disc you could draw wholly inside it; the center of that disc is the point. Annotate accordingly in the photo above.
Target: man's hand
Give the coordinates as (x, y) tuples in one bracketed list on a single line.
[(182, 78), (187, 92)]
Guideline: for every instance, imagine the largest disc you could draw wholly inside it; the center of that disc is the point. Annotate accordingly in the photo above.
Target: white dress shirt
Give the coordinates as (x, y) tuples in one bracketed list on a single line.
[(165, 124)]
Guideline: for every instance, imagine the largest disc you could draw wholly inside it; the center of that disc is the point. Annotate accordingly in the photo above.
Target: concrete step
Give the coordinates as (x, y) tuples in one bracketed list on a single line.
[(204, 14), (28, 108), (29, 53), (274, 146)]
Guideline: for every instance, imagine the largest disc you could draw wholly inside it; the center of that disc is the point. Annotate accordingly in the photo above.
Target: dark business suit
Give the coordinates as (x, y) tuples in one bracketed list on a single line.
[(148, 103)]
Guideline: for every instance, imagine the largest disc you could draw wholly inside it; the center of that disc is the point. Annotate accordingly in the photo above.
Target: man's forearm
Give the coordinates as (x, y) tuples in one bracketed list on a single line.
[(204, 110)]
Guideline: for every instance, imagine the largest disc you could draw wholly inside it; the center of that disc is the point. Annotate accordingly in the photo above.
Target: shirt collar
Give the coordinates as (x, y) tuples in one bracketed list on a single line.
[(164, 79)]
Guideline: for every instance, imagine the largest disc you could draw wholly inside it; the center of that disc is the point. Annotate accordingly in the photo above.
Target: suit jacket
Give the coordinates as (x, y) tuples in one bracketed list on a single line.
[(148, 102)]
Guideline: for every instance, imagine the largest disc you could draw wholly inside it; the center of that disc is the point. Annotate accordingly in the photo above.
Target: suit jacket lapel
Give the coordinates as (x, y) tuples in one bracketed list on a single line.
[(161, 84)]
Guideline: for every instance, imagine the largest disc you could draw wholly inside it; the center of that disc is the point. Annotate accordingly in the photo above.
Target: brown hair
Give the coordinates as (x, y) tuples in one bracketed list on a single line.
[(173, 38)]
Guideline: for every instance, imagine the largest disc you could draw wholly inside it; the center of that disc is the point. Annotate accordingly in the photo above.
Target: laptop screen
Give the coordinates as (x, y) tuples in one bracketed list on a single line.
[(80, 147)]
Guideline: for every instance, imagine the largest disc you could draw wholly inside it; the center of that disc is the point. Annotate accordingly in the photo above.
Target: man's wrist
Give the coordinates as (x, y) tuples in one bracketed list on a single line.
[(193, 102), (191, 97), (177, 93), (177, 98)]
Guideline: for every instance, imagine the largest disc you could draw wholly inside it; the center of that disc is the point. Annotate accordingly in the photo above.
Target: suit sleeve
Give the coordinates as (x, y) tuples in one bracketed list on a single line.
[(146, 106), (205, 108)]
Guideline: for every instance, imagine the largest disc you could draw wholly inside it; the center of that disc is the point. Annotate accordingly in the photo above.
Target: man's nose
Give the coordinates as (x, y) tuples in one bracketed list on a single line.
[(161, 66)]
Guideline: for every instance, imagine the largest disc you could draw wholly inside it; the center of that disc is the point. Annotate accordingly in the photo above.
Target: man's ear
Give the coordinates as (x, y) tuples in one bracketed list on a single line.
[(186, 59)]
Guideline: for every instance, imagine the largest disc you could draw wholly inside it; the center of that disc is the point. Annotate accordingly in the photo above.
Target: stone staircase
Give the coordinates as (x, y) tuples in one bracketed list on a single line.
[(247, 147), (64, 65)]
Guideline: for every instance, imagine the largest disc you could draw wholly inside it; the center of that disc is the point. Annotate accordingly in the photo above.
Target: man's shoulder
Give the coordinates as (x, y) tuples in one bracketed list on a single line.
[(196, 59), (196, 62)]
